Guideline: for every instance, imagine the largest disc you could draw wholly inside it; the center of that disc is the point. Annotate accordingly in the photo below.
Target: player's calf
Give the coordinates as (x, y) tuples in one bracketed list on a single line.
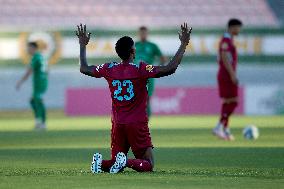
[(143, 163), (140, 165)]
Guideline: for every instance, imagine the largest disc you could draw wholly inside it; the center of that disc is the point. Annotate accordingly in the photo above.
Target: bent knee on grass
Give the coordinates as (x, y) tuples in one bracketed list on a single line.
[(149, 156)]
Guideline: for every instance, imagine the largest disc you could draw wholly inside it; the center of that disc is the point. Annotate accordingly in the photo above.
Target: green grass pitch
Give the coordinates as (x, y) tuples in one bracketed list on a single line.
[(186, 154)]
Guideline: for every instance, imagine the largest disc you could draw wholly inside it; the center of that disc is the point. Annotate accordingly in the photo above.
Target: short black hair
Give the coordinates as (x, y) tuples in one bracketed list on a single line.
[(123, 47), (143, 28), (33, 44), (234, 22)]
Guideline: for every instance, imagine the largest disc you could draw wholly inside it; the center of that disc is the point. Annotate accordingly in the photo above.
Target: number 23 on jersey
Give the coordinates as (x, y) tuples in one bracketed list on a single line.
[(125, 84)]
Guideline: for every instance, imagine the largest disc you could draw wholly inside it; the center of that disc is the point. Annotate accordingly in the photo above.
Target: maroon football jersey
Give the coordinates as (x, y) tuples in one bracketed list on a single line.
[(127, 84), (227, 45)]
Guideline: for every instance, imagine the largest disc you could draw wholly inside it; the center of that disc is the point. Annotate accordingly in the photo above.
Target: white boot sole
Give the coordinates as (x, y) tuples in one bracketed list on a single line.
[(97, 163), (120, 163)]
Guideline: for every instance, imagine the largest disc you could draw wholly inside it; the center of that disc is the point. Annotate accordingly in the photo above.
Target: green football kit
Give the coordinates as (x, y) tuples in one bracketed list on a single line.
[(40, 83)]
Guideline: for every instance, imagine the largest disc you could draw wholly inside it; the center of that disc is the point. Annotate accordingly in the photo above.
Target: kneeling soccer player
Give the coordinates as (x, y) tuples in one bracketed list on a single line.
[(127, 83)]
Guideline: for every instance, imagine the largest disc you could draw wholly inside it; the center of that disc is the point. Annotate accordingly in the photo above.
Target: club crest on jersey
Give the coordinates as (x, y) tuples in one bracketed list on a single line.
[(149, 68)]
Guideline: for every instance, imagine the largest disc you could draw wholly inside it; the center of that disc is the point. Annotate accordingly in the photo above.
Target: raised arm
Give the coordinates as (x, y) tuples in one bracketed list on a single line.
[(84, 39), (170, 68), (163, 60)]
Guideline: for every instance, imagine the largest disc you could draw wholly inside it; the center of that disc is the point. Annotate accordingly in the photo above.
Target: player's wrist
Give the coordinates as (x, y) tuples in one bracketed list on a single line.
[(82, 45), (184, 44)]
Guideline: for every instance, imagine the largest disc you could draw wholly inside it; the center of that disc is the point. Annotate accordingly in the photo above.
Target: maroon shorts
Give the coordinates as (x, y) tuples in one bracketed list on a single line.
[(227, 89), (134, 136)]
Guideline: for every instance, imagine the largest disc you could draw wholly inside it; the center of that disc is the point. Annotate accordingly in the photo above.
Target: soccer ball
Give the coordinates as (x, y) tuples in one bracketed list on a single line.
[(251, 132)]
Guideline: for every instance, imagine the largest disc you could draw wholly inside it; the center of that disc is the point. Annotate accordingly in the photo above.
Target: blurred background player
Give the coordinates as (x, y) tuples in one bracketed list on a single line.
[(37, 68), (227, 78), (147, 51)]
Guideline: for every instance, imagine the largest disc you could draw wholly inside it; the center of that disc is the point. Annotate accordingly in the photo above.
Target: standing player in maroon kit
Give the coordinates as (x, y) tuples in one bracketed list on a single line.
[(127, 83), (227, 78)]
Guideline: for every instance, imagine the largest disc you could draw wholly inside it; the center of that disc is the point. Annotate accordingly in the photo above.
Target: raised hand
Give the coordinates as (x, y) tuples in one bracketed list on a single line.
[(184, 34), (82, 34)]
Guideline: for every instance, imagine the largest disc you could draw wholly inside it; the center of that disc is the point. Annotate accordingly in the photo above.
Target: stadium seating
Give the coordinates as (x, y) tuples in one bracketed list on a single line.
[(131, 13), (277, 7)]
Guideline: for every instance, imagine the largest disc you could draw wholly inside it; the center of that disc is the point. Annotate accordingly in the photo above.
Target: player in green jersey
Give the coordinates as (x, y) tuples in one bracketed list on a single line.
[(37, 68), (147, 51)]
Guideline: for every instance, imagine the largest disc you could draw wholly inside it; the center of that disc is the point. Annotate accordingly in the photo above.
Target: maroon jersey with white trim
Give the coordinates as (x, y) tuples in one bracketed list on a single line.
[(127, 84)]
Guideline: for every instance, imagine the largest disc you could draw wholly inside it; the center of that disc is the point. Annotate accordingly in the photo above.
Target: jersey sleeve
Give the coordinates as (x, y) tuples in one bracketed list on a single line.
[(225, 46), (147, 70), (100, 71)]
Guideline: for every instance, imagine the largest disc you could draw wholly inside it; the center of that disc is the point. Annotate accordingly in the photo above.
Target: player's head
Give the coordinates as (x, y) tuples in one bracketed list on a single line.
[(32, 47), (125, 48), (143, 33), (234, 26)]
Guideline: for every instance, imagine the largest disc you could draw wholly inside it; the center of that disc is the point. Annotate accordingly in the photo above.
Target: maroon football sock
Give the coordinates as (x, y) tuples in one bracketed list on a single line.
[(227, 110), (140, 165), (232, 107), (224, 115), (106, 165)]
